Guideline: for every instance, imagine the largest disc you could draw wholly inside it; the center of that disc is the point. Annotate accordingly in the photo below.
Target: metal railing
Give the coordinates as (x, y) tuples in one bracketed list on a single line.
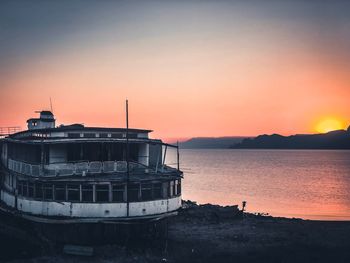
[(24, 168), (5, 131), (81, 168)]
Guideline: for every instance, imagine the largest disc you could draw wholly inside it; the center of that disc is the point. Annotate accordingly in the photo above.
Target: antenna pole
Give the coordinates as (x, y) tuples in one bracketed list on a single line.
[(51, 105), (178, 155), (127, 157)]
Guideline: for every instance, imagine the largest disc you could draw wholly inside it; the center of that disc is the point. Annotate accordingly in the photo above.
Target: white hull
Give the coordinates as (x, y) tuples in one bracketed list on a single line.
[(147, 209)]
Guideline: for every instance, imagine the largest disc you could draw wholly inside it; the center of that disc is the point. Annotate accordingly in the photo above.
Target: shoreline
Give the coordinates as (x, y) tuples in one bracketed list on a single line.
[(267, 214), (213, 233)]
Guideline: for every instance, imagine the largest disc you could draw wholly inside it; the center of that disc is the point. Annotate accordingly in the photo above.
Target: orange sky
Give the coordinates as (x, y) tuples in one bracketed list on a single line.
[(187, 69)]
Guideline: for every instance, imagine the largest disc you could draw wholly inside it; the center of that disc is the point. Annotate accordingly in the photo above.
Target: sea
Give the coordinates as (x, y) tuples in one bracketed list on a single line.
[(307, 184)]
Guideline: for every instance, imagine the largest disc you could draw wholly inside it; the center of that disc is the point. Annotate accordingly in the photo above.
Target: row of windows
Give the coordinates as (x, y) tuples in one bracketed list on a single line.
[(99, 152), (101, 135), (99, 193), (91, 151)]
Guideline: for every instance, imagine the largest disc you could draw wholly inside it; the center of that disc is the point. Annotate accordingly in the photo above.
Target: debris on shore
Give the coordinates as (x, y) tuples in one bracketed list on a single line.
[(208, 212)]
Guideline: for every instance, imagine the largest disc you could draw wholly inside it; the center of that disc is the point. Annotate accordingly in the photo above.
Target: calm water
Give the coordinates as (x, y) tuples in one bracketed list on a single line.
[(310, 184)]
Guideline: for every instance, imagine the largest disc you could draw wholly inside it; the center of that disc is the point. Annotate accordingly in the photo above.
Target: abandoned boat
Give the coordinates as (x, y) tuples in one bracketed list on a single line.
[(76, 174)]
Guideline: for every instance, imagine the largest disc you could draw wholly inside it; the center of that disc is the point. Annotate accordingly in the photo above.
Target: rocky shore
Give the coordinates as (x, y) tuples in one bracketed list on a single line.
[(209, 233)]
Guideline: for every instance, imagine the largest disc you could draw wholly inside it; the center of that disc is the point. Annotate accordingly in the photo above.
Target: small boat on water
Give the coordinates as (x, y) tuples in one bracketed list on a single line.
[(80, 175)]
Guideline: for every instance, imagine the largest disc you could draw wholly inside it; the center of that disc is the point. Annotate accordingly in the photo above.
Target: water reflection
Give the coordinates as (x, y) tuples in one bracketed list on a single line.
[(293, 183)]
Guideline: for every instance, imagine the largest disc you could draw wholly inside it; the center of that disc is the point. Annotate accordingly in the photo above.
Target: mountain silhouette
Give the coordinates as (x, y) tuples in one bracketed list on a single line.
[(211, 142), (339, 139)]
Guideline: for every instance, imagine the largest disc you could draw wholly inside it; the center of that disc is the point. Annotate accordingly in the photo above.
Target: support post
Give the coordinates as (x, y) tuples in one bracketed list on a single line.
[(110, 192), (158, 154), (80, 193), (166, 147), (94, 193), (42, 159)]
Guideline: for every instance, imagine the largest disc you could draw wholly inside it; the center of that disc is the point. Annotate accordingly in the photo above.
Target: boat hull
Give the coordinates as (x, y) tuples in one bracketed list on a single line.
[(125, 231)]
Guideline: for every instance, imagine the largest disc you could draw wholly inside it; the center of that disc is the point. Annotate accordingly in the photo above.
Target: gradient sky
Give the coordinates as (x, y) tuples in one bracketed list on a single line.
[(188, 68)]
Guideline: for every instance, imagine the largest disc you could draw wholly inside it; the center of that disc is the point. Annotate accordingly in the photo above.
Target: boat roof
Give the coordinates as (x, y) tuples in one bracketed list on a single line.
[(72, 133), (79, 127)]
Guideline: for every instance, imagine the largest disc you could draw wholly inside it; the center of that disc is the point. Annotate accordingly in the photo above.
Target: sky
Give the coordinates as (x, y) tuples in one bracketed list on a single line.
[(188, 68)]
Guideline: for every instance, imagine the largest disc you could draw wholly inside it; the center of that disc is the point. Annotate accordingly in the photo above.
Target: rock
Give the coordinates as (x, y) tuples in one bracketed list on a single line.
[(209, 212)]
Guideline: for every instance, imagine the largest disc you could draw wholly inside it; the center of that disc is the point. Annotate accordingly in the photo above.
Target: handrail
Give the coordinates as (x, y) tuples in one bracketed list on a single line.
[(24, 168), (79, 168), (5, 131)]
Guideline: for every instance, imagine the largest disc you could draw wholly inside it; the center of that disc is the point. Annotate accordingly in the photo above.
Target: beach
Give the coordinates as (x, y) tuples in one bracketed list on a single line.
[(209, 233)]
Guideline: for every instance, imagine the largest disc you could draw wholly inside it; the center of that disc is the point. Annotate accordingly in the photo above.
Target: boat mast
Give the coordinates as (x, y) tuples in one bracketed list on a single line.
[(127, 158), (178, 155), (51, 106)]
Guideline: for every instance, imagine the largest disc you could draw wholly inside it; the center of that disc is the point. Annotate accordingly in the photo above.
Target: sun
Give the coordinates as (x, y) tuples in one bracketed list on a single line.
[(329, 124)]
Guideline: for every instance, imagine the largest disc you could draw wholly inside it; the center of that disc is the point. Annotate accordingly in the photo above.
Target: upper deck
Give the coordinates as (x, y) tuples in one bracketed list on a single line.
[(77, 132), (76, 150)]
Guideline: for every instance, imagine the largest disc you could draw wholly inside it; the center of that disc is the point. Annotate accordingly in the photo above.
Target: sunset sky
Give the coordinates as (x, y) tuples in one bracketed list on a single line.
[(188, 68)]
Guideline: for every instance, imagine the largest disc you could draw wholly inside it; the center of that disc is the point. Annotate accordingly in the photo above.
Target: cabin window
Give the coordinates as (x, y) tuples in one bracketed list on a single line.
[(133, 192), (118, 192), (116, 151), (134, 152), (89, 135), (10, 180), (103, 135), (73, 192), (20, 187), (30, 189), (102, 193), (178, 187), (7, 179), (157, 191), (146, 192), (74, 152), (39, 190), (132, 135), (25, 153), (87, 193), (25, 188), (73, 135), (174, 188), (165, 189), (92, 151), (60, 192), (171, 189), (48, 193)]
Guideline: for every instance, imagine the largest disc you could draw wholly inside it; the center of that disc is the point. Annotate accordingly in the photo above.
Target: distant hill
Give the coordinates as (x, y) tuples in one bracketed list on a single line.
[(339, 139), (211, 142)]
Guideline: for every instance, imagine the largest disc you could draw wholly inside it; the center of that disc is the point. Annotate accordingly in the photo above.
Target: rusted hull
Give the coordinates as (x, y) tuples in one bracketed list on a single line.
[(84, 231)]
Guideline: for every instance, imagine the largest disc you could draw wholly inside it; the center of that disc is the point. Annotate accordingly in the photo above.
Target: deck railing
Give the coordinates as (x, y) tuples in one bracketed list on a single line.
[(79, 168), (24, 168), (83, 168), (5, 131)]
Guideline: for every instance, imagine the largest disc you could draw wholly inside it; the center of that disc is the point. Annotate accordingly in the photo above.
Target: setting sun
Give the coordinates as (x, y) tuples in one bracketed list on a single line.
[(327, 125)]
